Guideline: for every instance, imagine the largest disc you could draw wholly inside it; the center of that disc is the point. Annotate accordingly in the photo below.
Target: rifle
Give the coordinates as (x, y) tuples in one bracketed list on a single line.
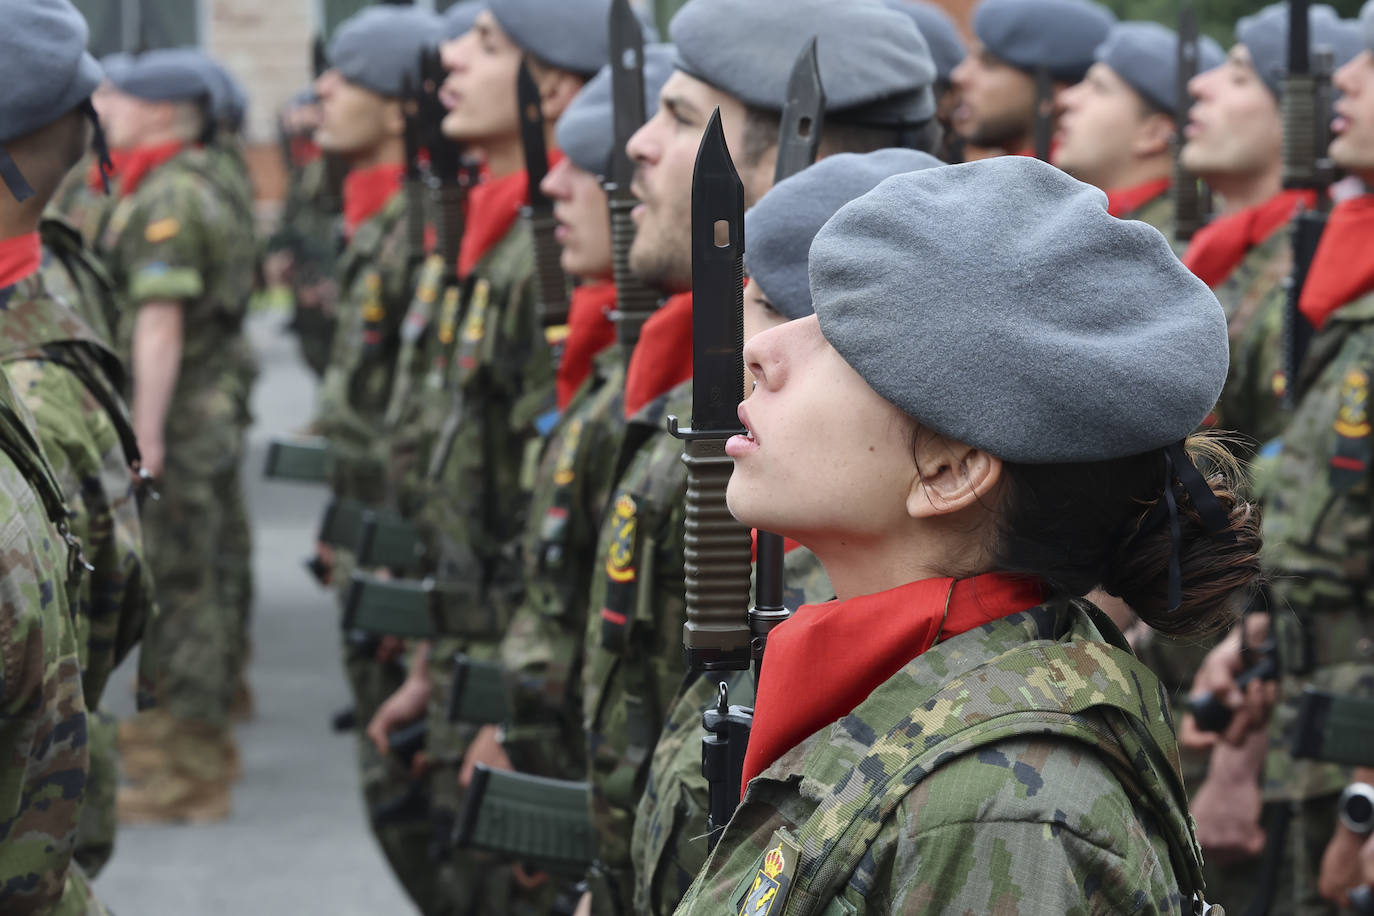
[(635, 302), (1043, 124), (1306, 113), (551, 284), (1191, 198)]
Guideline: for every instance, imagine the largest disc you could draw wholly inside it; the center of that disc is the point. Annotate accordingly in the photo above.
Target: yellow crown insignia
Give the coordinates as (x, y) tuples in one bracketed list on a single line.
[(773, 863)]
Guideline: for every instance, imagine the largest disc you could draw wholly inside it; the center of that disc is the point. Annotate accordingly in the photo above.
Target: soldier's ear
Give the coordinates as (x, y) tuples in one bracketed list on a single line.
[(950, 477), (557, 89), (1155, 134)]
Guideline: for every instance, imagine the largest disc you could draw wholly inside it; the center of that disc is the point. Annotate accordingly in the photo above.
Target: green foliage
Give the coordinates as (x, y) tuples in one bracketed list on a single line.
[(1216, 17)]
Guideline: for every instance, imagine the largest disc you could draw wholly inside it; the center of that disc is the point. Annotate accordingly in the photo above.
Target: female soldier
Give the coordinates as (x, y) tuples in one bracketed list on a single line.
[(967, 443)]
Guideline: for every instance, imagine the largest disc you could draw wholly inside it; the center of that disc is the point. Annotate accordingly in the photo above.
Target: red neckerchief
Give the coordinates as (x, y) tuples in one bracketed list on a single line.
[(1220, 246), (827, 659), (20, 258), (304, 151), (119, 160), (493, 206), (140, 161), (1128, 200), (1343, 269), (662, 359), (366, 191), (590, 330)]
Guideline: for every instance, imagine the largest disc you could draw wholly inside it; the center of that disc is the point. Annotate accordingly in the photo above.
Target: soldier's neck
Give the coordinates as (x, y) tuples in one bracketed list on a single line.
[(1242, 191), (18, 219), (389, 152), (1140, 171), (504, 156)]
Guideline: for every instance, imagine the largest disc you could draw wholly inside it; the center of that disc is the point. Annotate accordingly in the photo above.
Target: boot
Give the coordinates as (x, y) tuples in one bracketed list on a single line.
[(191, 785), (143, 742)]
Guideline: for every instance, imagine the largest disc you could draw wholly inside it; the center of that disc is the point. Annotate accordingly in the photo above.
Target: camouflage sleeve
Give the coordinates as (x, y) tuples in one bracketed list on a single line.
[(1023, 826), (42, 713), (167, 257)]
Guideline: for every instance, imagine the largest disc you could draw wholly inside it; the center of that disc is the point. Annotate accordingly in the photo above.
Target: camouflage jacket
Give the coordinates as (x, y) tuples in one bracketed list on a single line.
[(542, 649), (1027, 766), (632, 650), (70, 380), (80, 206), (42, 710), (84, 283), (310, 221), (374, 273), (184, 237), (669, 842), (1159, 212), (1314, 485), (1254, 298)]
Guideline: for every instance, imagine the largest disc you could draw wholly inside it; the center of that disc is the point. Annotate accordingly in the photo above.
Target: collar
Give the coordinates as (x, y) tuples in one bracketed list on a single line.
[(20, 258), (493, 207), (827, 658), (138, 162), (1124, 201), (366, 191), (1220, 246), (1342, 269), (662, 359)]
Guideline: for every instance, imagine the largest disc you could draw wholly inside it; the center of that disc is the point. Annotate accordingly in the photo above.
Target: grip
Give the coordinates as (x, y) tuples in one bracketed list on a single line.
[(635, 302), (716, 636)]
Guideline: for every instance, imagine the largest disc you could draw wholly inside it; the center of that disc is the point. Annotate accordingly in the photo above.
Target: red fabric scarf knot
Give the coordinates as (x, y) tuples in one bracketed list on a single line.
[(1128, 200), (1220, 246), (137, 163), (366, 191), (1343, 268), (20, 258), (662, 359), (590, 330), (826, 660)]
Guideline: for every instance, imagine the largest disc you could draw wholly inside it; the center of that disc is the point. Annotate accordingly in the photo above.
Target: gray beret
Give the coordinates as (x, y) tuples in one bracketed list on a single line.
[(1265, 34), (572, 35), (228, 103), (167, 75), (460, 17), (1085, 339), (939, 31), (379, 48), (586, 131), (1367, 25), (115, 63), (1145, 55), (44, 66), (1059, 35), (875, 66), (779, 228)]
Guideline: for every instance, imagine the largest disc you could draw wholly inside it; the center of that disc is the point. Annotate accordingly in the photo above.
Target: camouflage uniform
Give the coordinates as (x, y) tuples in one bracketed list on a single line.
[(69, 379), (542, 649), (184, 237), (669, 843), (501, 371), (83, 207), (310, 232), (935, 796), (42, 710), (1314, 486), (633, 666)]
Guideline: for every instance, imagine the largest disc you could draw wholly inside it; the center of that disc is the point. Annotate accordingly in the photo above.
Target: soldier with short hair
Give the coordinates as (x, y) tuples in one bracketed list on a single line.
[(1117, 126), (1023, 49), (179, 249)]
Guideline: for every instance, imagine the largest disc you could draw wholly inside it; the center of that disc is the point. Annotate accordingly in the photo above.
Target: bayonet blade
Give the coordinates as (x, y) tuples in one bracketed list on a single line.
[(627, 87), (803, 116), (551, 283), (532, 136), (717, 287), (1187, 190)]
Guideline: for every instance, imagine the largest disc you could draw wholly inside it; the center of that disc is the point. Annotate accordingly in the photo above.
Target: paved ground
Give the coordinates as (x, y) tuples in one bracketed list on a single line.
[(297, 844)]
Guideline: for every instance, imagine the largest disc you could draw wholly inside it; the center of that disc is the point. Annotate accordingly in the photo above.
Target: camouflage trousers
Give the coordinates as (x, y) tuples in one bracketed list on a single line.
[(1311, 824), (194, 637), (95, 831), (234, 577)]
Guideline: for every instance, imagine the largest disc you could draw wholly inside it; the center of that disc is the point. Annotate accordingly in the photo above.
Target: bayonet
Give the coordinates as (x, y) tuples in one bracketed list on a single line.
[(551, 285), (1043, 124), (414, 175), (635, 301), (716, 635), (1189, 193), (803, 115)]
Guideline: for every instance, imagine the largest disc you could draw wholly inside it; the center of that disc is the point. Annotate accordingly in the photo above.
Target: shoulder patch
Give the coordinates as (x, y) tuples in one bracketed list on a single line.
[(161, 230), (767, 893)]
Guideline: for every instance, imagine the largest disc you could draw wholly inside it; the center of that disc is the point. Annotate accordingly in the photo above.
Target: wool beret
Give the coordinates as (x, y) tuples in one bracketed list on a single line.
[(586, 131), (1367, 25), (44, 66), (228, 102), (572, 35), (1084, 339), (167, 75), (1059, 35), (379, 48), (114, 63), (779, 228), (460, 17), (875, 66), (939, 31), (1145, 56), (1265, 35)]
